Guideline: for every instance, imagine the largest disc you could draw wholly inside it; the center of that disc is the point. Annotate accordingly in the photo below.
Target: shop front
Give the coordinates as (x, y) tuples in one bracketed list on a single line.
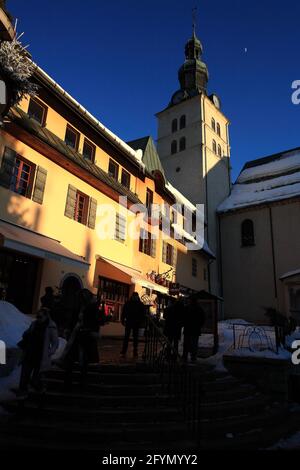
[(23, 255)]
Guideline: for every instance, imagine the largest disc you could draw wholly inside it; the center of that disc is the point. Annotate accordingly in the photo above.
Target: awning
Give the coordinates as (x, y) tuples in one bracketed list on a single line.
[(126, 274), (15, 237)]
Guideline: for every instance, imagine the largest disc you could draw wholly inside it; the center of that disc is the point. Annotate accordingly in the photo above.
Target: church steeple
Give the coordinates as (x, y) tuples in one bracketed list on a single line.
[(193, 74)]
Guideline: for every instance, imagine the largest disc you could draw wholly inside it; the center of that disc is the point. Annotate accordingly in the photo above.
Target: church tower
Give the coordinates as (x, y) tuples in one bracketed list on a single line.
[(193, 145)]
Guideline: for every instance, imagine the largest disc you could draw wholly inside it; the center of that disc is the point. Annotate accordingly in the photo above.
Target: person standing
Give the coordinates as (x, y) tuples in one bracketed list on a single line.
[(38, 344), (133, 318), (82, 345), (173, 316), (48, 298), (194, 319)]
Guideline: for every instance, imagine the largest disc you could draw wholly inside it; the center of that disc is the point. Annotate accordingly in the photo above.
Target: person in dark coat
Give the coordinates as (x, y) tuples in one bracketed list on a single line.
[(173, 316), (133, 318), (194, 319), (38, 345), (82, 345), (48, 298)]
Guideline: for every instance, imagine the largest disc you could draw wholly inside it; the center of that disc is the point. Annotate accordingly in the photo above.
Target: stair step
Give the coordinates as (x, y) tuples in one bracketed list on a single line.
[(107, 389), (108, 377), (243, 406)]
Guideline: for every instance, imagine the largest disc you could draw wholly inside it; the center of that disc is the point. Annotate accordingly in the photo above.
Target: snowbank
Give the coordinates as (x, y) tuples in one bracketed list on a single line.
[(13, 323)]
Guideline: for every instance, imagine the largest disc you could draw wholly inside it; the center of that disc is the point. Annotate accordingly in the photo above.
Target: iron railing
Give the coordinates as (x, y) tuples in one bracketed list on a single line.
[(254, 337), (178, 380)]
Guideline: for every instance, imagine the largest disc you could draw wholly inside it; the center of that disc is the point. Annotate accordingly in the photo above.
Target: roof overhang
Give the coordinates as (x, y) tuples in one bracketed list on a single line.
[(7, 32)]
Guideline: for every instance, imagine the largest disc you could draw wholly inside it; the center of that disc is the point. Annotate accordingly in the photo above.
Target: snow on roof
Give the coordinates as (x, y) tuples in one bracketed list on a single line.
[(279, 179), (296, 272), (288, 162)]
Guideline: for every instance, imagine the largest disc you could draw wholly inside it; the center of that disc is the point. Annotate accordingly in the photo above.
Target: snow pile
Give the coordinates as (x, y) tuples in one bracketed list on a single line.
[(13, 323), (290, 443), (259, 347)]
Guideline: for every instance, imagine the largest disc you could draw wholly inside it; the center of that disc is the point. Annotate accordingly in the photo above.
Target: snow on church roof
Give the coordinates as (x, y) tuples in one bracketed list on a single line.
[(265, 180)]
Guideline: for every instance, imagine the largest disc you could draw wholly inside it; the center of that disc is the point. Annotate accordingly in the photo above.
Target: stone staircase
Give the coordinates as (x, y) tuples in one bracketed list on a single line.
[(124, 407)]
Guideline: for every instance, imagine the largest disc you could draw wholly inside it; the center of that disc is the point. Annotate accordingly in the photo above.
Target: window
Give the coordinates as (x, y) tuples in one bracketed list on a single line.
[(214, 146), (125, 179), (149, 200), (194, 267), (182, 144), (147, 243), (72, 137), (182, 122), (219, 151), (22, 177), (213, 124), (113, 170), (174, 147), (120, 228), (168, 253), (37, 111), (174, 125), (89, 150), (218, 129), (81, 208), (247, 230)]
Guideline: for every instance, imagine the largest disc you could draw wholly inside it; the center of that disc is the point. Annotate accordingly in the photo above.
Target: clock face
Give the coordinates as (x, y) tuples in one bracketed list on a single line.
[(177, 97), (216, 101)]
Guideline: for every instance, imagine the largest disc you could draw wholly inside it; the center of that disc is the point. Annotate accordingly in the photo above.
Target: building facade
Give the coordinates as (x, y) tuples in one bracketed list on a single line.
[(62, 173), (193, 144), (260, 226)]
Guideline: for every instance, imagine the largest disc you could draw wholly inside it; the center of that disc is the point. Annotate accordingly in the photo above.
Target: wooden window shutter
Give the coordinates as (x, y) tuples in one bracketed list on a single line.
[(174, 257), (92, 213), (164, 252), (153, 247), (7, 167), (120, 229), (71, 202), (39, 187)]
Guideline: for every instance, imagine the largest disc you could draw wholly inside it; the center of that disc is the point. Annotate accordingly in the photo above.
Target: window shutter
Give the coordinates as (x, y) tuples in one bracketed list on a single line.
[(7, 167), (164, 252), (40, 183), (153, 247), (71, 202), (174, 257), (120, 230), (92, 213)]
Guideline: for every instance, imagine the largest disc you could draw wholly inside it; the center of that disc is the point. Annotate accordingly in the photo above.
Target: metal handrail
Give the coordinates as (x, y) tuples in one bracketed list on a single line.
[(179, 382)]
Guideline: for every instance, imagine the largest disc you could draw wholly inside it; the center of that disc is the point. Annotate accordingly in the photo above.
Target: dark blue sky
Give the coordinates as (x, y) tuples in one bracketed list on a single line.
[(120, 60)]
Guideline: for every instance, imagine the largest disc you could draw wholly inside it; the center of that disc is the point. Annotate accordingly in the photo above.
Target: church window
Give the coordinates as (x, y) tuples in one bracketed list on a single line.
[(182, 121), (174, 125), (214, 146), (174, 147), (218, 129), (182, 144), (213, 124), (247, 232), (219, 151)]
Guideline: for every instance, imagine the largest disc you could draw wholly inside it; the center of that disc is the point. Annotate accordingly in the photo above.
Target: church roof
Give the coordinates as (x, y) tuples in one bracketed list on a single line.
[(265, 180)]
